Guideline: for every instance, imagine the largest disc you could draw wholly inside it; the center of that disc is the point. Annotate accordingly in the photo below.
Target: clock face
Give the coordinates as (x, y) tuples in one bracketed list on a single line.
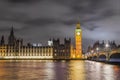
[(78, 33)]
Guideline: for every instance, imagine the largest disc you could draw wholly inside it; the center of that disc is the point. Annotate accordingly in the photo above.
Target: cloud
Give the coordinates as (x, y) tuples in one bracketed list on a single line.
[(40, 21), (36, 20), (21, 1)]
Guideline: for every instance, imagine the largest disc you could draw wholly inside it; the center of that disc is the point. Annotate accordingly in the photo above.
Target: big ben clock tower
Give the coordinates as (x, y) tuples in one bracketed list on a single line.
[(78, 41)]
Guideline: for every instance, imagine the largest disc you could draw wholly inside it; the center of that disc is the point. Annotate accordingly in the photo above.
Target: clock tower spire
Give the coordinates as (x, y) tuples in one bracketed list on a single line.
[(78, 25), (78, 41)]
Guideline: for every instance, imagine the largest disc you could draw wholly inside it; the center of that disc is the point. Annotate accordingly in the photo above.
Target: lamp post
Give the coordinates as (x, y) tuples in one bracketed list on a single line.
[(97, 49), (92, 51), (107, 46)]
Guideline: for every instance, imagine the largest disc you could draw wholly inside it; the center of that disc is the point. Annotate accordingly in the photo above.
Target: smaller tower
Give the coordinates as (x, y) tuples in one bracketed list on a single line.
[(56, 44), (11, 38), (67, 46), (2, 40)]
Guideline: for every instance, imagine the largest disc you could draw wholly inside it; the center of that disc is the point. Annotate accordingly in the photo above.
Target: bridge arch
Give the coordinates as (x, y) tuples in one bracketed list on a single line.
[(115, 57), (102, 57), (94, 58), (89, 58)]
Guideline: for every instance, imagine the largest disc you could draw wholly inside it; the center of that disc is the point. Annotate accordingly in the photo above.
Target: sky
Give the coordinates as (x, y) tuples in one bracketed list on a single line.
[(37, 21)]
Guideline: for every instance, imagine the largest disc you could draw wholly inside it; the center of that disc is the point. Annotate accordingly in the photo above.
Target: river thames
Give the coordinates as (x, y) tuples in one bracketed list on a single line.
[(57, 70)]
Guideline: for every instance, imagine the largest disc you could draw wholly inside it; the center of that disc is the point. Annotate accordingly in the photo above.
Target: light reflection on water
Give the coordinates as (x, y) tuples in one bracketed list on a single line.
[(57, 70)]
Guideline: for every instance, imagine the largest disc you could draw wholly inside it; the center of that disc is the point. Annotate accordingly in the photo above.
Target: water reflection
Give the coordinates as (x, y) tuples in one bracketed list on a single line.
[(76, 70), (57, 70)]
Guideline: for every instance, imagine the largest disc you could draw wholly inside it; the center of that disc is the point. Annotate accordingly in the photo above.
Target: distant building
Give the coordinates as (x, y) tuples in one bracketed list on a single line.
[(102, 46)]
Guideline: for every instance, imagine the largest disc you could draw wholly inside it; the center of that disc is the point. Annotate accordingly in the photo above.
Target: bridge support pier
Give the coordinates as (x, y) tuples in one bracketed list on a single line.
[(107, 57)]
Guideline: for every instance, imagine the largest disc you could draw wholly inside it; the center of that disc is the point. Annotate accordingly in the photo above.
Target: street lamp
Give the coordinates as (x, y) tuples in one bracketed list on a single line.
[(97, 49), (107, 46), (92, 51)]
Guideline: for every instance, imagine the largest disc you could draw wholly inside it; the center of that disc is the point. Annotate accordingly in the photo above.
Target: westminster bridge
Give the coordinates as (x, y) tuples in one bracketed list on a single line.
[(106, 55)]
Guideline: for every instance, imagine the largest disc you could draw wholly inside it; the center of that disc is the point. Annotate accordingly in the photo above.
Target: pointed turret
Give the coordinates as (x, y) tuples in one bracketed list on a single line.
[(11, 38), (12, 32), (2, 40), (78, 25)]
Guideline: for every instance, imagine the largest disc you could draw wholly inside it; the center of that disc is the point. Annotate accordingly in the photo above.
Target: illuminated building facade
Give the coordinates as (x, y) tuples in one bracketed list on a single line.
[(55, 50), (77, 51), (30, 52), (78, 41)]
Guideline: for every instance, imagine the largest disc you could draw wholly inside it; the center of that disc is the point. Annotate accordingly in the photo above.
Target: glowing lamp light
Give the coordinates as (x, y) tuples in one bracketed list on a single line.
[(78, 56), (107, 45), (73, 56), (97, 48), (92, 51)]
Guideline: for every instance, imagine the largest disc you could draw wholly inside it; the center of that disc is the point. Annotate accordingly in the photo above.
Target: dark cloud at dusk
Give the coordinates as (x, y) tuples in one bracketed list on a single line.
[(39, 20)]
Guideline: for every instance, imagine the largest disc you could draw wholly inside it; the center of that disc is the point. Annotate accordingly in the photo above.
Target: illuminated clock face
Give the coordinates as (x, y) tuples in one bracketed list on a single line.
[(78, 33)]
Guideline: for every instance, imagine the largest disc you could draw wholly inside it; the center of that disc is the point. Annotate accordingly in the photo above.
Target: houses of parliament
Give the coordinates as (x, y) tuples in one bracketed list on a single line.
[(15, 49)]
